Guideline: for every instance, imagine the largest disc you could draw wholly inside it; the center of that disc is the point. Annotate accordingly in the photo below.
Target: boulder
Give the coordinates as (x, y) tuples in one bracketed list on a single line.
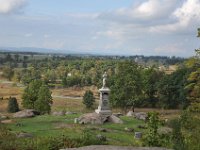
[(102, 130), (58, 113), (24, 135), (26, 113), (3, 117), (70, 113), (130, 114), (92, 118), (118, 114), (6, 121), (129, 129), (101, 137), (164, 130), (141, 116), (114, 119)]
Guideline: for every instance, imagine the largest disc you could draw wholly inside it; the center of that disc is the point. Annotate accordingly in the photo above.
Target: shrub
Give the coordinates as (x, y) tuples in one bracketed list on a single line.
[(12, 105), (152, 138), (88, 99)]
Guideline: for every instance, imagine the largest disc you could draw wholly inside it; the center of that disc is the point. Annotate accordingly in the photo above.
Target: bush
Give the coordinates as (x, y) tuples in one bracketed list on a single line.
[(152, 138), (12, 105), (88, 99)]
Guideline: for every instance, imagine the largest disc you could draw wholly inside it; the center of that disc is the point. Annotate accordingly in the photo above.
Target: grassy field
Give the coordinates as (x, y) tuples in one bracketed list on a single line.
[(53, 126)]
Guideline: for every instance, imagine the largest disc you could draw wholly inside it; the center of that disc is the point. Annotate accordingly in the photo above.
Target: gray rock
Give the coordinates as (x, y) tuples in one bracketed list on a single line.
[(129, 129), (164, 130), (141, 116), (114, 119), (3, 117), (101, 137), (92, 118), (118, 114), (58, 113), (70, 113), (24, 135), (102, 130), (109, 147), (130, 114), (26, 113), (138, 135)]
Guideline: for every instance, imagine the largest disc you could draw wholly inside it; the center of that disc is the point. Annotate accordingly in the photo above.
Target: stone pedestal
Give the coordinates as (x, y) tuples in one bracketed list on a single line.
[(104, 108)]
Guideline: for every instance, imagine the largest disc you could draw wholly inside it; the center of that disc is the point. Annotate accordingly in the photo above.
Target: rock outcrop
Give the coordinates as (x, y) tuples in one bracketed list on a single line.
[(94, 118), (26, 113), (114, 119), (140, 115)]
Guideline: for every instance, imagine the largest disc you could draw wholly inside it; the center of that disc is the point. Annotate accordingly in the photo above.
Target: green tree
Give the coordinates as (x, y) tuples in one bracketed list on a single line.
[(12, 105), (88, 99), (30, 94), (171, 91), (193, 86), (126, 86), (151, 78), (8, 73), (44, 101)]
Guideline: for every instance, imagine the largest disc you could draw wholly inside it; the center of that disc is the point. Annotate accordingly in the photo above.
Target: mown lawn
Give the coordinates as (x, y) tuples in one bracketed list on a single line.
[(47, 125)]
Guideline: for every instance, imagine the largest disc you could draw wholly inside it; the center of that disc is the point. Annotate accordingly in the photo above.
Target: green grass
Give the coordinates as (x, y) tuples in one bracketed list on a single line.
[(47, 125)]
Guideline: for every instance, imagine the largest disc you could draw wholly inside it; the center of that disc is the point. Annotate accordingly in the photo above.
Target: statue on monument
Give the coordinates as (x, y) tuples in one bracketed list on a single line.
[(104, 79)]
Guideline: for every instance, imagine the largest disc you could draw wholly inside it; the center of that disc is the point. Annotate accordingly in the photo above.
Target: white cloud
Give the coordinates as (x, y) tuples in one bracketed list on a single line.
[(187, 18), (9, 6), (150, 11)]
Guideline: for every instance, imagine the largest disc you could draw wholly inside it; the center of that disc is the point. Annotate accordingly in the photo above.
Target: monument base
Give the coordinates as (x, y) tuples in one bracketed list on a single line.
[(104, 113)]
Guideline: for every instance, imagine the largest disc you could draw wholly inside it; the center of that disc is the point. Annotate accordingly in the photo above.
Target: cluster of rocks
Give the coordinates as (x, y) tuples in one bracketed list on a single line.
[(137, 115), (62, 113), (94, 118)]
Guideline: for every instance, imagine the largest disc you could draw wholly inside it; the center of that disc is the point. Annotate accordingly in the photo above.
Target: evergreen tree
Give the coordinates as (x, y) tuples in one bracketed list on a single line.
[(12, 105), (88, 99), (30, 94), (44, 101)]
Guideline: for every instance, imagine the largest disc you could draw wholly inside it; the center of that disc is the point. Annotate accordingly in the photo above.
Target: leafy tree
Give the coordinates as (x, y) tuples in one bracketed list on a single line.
[(171, 91), (126, 86), (151, 78), (30, 94), (12, 105), (44, 101), (8, 73), (193, 86), (88, 99)]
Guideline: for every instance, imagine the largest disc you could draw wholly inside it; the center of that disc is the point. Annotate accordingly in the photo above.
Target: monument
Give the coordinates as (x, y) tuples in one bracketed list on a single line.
[(103, 113), (104, 108)]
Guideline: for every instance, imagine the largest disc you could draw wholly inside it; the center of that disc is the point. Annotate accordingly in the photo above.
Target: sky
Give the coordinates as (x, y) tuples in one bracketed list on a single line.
[(117, 27)]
